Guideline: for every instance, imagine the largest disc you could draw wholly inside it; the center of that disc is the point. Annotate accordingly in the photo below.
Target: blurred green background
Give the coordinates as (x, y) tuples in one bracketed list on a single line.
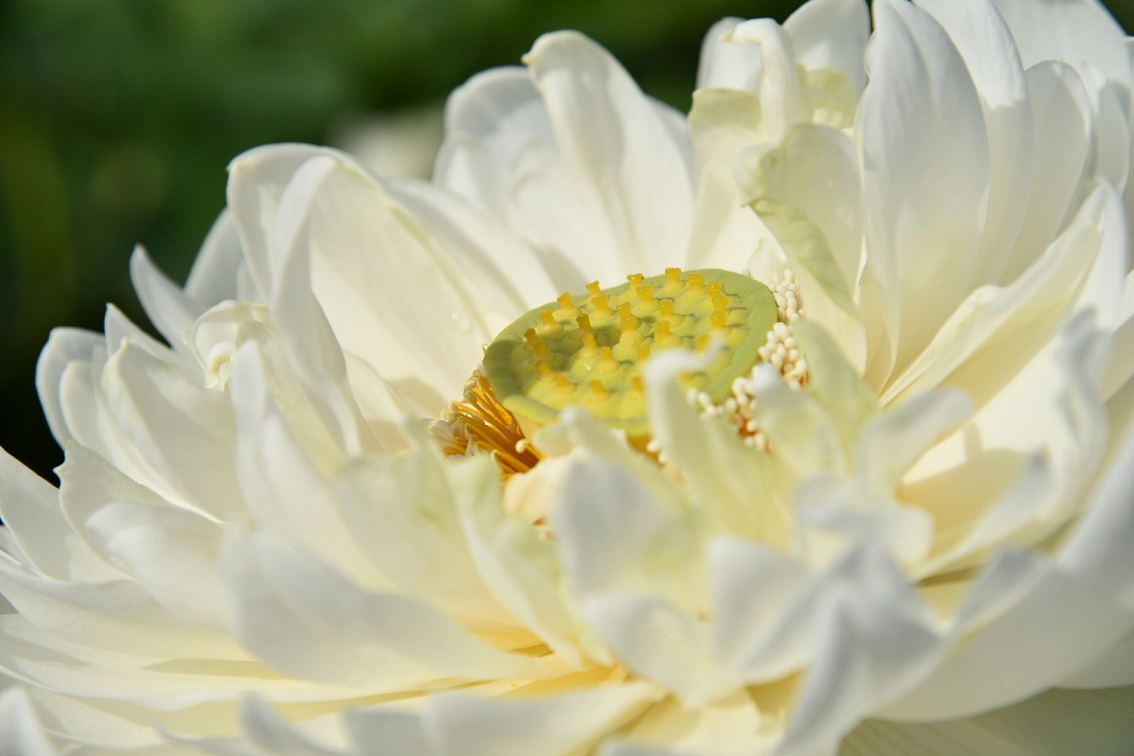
[(118, 117)]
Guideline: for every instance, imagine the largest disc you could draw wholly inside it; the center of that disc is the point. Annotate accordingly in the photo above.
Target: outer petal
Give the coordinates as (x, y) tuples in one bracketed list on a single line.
[(926, 173)]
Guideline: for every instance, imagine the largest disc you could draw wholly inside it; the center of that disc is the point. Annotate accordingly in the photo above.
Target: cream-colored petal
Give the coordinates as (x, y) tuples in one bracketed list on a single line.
[(281, 485), (926, 169), (64, 346), (29, 507), (566, 723), (21, 731), (306, 620), (831, 34), (632, 177)]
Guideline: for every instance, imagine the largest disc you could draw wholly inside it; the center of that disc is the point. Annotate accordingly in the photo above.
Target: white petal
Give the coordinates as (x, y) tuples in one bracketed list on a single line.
[(64, 346), (490, 257), (633, 177), (1060, 168), (831, 34), (177, 428), (556, 724), (867, 652), (780, 89), (807, 190), (404, 509), (729, 480), (496, 129), (20, 729), (171, 552), (616, 535), (29, 507), (375, 732), (657, 641), (308, 621), (1073, 30), (281, 483), (1114, 668), (519, 565), (341, 238), (169, 309), (926, 173), (728, 63), (990, 55)]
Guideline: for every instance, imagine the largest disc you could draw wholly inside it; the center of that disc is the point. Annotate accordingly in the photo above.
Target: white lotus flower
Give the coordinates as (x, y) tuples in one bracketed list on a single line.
[(914, 510)]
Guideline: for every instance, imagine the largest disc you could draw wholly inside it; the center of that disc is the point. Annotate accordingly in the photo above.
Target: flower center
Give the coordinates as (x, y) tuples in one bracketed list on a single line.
[(588, 350)]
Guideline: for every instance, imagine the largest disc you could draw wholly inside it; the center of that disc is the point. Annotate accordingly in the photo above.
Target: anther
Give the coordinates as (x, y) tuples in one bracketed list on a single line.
[(595, 289), (643, 352), (718, 319), (562, 384), (714, 288), (584, 321), (696, 281), (635, 280), (599, 391), (720, 302)]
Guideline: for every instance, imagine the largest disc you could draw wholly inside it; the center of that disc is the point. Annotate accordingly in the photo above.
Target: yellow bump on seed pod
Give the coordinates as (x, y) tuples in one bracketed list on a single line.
[(567, 308), (646, 302), (599, 391), (663, 337), (584, 321), (714, 288), (627, 321), (563, 385), (602, 313), (538, 345), (594, 288), (643, 352), (665, 307), (673, 282), (548, 324), (695, 290), (718, 319), (590, 346), (635, 280), (720, 301), (607, 362)]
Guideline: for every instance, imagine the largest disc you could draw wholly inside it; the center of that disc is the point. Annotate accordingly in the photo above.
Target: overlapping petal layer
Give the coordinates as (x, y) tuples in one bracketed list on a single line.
[(257, 545)]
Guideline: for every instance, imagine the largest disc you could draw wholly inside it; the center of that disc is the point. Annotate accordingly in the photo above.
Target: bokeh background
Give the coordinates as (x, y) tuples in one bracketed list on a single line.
[(118, 117)]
